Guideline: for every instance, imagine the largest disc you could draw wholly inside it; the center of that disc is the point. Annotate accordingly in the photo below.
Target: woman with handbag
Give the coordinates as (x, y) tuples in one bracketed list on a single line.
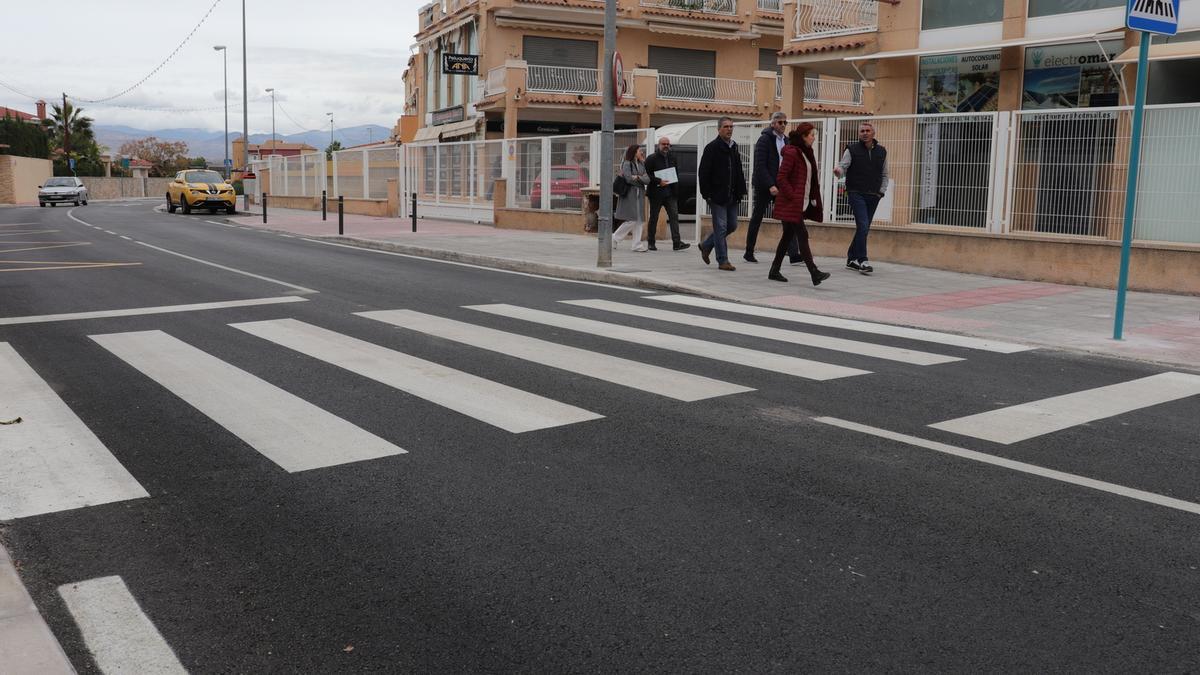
[(799, 198), (631, 206)]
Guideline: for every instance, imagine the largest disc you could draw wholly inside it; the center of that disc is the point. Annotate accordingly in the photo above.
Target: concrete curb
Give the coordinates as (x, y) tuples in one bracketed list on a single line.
[(27, 646)]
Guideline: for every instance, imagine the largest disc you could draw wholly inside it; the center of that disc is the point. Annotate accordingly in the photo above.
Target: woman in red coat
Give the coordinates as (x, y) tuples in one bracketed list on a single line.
[(799, 197)]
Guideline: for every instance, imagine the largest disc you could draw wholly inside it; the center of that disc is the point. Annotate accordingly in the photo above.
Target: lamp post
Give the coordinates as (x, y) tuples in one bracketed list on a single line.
[(225, 89), (330, 128), (271, 91), (245, 112)]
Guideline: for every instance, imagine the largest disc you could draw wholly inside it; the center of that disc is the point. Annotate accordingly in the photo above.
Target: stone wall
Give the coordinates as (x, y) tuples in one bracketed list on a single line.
[(124, 188), (20, 178)]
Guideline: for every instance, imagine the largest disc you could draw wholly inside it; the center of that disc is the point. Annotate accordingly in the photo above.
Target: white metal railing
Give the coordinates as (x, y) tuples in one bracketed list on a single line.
[(495, 81), (826, 18), (818, 90), (770, 5), (704, 6), (716, 89), (563, 80)]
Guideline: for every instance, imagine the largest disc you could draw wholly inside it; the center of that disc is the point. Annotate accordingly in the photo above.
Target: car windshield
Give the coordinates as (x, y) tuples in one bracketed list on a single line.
[(564, 174), (60, 182), (203, 177)]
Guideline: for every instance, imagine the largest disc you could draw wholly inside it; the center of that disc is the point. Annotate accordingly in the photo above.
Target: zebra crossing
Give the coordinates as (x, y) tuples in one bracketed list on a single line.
[(55, 463)]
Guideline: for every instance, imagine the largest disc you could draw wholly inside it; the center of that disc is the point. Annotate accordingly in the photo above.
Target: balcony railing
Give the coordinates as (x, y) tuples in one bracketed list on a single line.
[(818, 90), (705, 6), (563, 80), (495, 81), (770, 5), (827, 18), (715, 89)]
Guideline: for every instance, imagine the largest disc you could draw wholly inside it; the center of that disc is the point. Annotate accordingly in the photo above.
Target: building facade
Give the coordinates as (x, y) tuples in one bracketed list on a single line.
[(540, 65)]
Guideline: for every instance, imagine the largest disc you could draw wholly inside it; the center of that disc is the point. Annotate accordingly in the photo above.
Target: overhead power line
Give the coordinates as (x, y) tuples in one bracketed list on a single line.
[(18, 91), (157, 68), (293, 119)]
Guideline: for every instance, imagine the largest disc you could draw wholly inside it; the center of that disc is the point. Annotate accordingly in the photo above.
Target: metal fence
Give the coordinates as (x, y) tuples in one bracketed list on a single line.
[(717, 89)]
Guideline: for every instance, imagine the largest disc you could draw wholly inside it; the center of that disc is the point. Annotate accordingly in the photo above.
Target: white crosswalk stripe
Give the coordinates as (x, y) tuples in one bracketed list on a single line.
[(645, 377), (286, 429), (50, 461), (491, 402), (949, 339), (117, 632), (788, 365), (1037, 418), (769, 333)]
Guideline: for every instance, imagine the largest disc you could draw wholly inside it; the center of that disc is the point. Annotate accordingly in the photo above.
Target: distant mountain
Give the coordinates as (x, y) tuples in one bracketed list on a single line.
[(209, 144)]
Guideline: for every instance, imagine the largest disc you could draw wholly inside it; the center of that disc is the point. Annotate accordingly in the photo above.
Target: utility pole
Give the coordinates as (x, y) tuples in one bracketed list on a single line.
[(330, 128), (604, 221), (225, 62), (245, 112), (66, 122), (271, 91)]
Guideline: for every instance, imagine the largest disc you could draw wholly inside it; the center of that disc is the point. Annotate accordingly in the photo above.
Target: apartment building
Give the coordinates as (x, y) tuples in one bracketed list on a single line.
[(944, 56), (540, 61)]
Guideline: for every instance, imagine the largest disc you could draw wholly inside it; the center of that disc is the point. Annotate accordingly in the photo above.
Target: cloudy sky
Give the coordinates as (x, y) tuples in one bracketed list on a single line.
[(343, 57)]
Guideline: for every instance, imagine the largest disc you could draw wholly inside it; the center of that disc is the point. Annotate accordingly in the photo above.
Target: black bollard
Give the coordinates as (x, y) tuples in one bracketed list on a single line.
[(264, 208), (414, 211), (322, 205), (341, 203)]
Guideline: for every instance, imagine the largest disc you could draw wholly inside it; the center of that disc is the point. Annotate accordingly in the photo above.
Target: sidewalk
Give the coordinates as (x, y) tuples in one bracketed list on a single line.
[(1158, 327)]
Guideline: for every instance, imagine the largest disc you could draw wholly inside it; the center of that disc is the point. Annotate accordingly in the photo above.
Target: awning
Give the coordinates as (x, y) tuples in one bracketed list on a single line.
[(987, 47), (426, 134), (1169, 52), (458, 128)]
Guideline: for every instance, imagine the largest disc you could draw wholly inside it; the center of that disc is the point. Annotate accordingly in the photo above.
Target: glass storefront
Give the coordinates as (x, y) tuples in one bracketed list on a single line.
[(959, 83), (951, 13), (1070, 76)]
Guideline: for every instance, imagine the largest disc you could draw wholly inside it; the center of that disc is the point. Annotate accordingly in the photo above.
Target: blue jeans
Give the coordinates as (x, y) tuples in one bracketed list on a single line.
[(863, 206), (724, 219)]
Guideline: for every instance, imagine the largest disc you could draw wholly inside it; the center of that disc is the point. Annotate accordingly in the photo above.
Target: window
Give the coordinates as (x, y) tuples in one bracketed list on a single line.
[(951, 13), (959, 83), (768, 59), (1070, 76), (431, 58), (543, 51), (1050, 7)]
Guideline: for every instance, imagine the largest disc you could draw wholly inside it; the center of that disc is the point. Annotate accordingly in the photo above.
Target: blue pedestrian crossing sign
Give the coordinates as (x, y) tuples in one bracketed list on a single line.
[(1153, 16)]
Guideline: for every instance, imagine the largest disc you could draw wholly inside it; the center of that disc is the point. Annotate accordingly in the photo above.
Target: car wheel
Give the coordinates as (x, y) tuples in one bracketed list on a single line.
[(53, 204), (42, 204), (85, 201), (76, 202), (183, 202), (170, 204), (230, 210)]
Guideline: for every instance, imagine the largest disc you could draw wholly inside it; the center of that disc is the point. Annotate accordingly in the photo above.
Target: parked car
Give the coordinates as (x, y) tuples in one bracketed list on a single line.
[(200, 188), (62, 189), (567, 182)]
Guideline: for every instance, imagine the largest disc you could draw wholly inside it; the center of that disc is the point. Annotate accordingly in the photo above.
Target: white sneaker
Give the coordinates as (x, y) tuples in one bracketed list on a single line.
[(641, 248)]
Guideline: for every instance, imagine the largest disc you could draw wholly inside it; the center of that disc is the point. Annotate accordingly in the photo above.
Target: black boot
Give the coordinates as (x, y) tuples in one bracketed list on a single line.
[(818, 276), (774, 275)]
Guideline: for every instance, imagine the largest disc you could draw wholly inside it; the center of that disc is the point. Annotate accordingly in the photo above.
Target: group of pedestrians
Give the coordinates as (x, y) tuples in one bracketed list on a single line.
[(786, 175)]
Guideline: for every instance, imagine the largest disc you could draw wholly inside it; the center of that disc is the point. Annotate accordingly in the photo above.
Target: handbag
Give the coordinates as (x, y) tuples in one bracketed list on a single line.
[(620, 186)]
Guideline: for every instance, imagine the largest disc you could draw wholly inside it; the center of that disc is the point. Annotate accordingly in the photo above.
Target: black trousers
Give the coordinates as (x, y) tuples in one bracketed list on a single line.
[(763, 200), (657, 201), (795, 236)]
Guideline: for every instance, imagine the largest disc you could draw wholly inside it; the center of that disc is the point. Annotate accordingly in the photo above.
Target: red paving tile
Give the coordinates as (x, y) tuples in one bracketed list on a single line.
[(978, 297)]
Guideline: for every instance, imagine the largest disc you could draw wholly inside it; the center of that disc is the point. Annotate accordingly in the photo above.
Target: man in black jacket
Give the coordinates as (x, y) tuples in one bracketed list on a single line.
[(768, 152), (723, 186), (864, 164), (662, 194)]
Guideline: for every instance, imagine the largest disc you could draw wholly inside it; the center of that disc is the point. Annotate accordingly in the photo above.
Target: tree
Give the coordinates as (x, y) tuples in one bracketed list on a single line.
[(332, 148), (165, 157), (24, 139), (81, 144)]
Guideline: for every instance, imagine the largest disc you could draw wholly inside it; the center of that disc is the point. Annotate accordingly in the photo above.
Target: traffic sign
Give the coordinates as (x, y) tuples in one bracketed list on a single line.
[(71, 163), (228, 163), (1153, 16)]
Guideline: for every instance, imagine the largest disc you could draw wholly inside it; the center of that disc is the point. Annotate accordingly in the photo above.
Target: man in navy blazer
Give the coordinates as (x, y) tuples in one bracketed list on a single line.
[(767, 152)]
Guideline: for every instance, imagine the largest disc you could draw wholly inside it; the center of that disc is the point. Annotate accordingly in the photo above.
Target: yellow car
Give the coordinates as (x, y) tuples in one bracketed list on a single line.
[(201, 189)]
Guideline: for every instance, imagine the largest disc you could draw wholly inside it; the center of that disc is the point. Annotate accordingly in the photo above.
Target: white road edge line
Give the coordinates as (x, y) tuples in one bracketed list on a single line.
[(138, 311), (478, 267), (26, 643), (111, 232), (126, 238), (117, 632), (300, 289), (1032, 469)]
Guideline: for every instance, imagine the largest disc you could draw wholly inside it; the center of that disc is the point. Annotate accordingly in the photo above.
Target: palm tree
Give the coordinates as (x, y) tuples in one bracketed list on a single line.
[(71, 119)]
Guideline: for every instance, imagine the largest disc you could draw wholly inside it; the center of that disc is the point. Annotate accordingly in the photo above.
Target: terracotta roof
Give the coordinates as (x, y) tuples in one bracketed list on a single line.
[(573, 99), (280, 145), (141, 163), (838, 109), (684, 14), (13, 112), (828, 44), (586, 4), (699, 106)]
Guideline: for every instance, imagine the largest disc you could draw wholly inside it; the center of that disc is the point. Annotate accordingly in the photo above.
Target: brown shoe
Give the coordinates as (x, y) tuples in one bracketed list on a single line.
[(726, 266), (704, 254)]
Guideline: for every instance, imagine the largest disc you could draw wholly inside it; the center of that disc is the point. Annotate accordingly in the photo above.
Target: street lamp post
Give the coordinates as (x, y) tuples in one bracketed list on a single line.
[(225, 60), (245, 113), (330, 128), (271, 91)]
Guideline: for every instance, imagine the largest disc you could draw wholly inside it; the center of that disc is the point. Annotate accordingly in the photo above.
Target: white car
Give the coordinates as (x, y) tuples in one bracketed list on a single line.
[(62, 189)]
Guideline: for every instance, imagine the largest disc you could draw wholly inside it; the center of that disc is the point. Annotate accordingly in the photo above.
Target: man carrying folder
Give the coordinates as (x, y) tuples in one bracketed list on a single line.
[(663, 191)]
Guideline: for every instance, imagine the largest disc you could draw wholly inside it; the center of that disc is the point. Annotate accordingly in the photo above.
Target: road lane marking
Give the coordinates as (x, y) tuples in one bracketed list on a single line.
[(111, 232), (41, 247), (51, 460), (42, 265), (284, 428), (477, 267), (1036, 418), (491, 402), (300, 289), (13, 234), (117, 632), (138, 311), (1032, 469), (790, 336), (787, 365), (126, 238), (641, 376), (950, 339)]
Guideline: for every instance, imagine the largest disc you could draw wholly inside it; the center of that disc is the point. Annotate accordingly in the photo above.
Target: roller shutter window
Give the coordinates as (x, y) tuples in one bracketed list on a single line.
[(768, 59), (697, 62), (544, 51)]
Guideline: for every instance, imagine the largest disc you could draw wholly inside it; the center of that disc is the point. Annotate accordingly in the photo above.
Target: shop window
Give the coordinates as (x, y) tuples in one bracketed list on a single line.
[(959, 83), (1071, 76)]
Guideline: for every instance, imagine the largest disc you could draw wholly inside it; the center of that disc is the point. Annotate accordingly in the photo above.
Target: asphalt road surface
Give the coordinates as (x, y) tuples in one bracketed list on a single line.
[(291, 456)]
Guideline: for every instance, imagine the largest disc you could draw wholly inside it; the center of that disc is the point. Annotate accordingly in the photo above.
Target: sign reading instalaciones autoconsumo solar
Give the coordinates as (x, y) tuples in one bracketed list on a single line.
[(1153, 16)]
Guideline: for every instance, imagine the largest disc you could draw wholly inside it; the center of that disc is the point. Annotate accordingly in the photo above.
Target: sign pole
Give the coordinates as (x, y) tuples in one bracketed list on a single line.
[(607, 113), (1135, 156)]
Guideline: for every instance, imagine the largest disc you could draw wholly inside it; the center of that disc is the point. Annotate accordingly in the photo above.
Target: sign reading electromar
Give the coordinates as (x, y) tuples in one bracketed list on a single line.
[(460, 64), (1147, 16)]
